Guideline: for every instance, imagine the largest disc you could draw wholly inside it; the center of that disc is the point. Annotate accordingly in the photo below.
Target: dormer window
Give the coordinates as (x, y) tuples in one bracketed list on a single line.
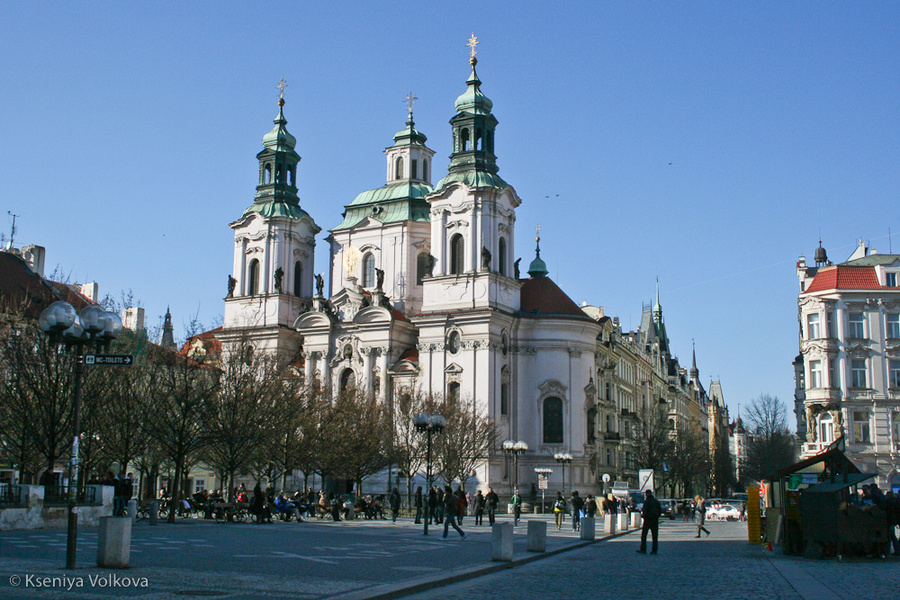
[(890, 279)]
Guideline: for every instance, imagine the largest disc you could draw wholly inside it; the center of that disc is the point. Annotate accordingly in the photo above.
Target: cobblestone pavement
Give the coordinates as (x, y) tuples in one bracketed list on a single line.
[(323, 560), (722, 565)]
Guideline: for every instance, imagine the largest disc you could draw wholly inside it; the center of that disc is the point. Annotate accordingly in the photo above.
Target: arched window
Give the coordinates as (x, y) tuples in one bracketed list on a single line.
[(456, 254), (414, 169), (348, 381), (398, 173), (501, 260), (298, 278), (464, 140), (453, 393), (478, 142), (421, 267), (290, 177), (268, 173), (253, 278), (553, 420), (504, 399), (279, 174), (368, 272), (425, 170)]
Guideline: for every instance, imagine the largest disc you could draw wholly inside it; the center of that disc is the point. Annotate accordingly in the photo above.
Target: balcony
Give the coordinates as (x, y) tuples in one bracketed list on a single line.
[(611, 436)]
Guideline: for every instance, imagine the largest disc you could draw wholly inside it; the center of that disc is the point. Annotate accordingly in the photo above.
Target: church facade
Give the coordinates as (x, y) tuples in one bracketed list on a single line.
[(425, 295)]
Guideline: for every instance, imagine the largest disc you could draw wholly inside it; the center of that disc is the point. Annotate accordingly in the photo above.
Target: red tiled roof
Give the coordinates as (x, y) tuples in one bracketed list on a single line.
[(411, 355), (543, 298), (211, 342), (23, 289), (839, 277)]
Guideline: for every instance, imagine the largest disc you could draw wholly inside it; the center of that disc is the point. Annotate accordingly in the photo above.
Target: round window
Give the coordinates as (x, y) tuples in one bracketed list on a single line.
[(453, 342)]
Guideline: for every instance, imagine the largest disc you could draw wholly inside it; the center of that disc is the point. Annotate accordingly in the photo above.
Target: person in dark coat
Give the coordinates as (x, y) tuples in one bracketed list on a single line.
[(451, 509), (479, 508), (419, 504), (258, 505), (650, 514), (394, 501), (492, 500), (577, 505)]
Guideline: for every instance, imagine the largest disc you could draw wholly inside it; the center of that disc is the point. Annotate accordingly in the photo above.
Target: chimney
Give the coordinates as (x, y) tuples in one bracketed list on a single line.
[(91, 291), (133, 319), (34, 256)]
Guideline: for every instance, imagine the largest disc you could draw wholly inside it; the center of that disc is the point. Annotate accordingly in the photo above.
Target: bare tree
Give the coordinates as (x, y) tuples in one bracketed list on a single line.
[(467, 441), (179, 388), (408, 446), (771, 445), (653, 441), (688, 462)]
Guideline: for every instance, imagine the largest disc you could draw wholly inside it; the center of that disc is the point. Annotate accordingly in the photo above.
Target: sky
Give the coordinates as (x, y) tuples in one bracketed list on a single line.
[(703, 144)]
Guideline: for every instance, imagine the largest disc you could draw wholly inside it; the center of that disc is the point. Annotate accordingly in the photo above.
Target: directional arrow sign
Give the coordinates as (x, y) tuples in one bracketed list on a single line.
[(109, 360)]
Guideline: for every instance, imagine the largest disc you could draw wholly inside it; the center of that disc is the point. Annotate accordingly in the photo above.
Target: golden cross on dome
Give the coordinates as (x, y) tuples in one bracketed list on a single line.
[(473, 41), (281, 85), (411, 101)]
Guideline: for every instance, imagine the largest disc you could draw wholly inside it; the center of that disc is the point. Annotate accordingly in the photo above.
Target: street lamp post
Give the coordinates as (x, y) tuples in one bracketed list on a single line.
[(428, 424), (514, 449), (93, 326), (563, 458)]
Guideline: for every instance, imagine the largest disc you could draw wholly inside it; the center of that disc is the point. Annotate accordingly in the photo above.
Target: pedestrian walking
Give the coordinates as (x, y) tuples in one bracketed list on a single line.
[(431, 517), (577, 506), (517, 506), (701, 515), (479, 508), (451, 509), (650, 514), (394, 501), (559, 509), (492, 500), (463, 503), (590, 506), (419, 504)]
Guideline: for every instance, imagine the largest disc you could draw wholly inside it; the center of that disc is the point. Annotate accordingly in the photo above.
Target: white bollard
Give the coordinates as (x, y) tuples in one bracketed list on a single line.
[(114, 542), (635, 520), (502, 542), (609, 524), (132, 510), (588, 528), (537, 536), (622, 525)]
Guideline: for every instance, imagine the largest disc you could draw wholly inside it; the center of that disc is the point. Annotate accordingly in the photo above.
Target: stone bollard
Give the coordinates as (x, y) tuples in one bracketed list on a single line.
[(588, 528), (537, 536), (622, 525), (154, 512), (132, 510), (114, 542), (502, 542), (635, 520), (609, 524)]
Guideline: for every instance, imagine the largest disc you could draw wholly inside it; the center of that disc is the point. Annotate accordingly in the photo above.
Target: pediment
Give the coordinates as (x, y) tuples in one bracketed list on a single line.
[(453, 368), (310, 320), (373, 314)]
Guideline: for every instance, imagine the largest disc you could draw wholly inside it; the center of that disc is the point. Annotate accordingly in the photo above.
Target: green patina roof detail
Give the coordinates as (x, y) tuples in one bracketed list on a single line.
[(409, 136), (274, 208), (473, 179), (873, 260), (393, 203), (473, 100)]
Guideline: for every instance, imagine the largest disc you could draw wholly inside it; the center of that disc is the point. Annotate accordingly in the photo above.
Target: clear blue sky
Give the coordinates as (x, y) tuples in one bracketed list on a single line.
[(129, 132)]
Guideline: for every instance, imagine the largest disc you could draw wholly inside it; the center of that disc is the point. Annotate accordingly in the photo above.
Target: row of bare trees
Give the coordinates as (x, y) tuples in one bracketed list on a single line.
[(239, 413)]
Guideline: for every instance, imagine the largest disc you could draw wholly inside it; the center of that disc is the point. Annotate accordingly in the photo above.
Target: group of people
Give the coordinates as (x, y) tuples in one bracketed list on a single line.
[(589, 506)]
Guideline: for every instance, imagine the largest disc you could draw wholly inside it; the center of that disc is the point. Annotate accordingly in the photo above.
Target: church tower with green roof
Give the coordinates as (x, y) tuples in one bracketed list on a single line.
[(274, 248)]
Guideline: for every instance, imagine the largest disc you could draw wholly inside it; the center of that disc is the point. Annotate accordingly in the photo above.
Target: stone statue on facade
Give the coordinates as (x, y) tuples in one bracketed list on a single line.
[(320, 284), (232, 282), (485, 258), (279, 275)]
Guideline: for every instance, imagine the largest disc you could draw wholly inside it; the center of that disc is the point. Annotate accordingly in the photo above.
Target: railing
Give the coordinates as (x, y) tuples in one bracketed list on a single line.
[(59, 495), (11, 495)]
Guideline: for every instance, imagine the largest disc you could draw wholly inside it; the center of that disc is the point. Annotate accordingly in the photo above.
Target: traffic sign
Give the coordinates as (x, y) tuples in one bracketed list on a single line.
[(109, 360), (645, 479)]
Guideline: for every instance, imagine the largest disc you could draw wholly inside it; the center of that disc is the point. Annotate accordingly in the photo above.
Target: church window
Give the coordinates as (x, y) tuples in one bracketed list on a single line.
[(279, 174), (398, 173), (501, 260), (414, 169), (453, 342), (553, 420), (298, 278), (368, 274), (421, 267), (456, 254), (348, 381), (478, 141), (253, 278), (290, 174), (268, 173), (425, 170), (464, 140), (453, 393), (504, 399), (490, 142)]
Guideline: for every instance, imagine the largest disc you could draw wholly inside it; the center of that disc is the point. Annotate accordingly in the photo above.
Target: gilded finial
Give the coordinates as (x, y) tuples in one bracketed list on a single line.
[(411, 102), (281, 85), (473, 41), (537, 230)]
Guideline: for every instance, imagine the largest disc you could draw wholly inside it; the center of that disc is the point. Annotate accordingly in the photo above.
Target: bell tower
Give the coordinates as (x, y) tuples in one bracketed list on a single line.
[(274, 247)]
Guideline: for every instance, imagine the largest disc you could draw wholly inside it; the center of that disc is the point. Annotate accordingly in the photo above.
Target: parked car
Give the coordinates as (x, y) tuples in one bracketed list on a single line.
[(723, 512), (668, 507)]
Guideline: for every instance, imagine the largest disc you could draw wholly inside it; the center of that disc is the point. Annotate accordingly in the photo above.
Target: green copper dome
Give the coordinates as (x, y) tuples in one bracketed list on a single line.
[(538, 268), (472, 100), (409, 136), (274, 208), (279, 139)]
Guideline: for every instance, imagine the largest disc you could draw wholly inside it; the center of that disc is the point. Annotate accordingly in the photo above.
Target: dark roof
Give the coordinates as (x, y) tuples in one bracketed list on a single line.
[(23, 289), (543, 298), (411, 355), (841, 277)]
